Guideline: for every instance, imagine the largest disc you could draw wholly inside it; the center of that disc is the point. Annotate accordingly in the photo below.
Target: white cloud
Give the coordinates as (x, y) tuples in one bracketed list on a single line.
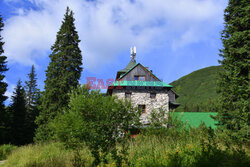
[(9, 91), (109, 27)]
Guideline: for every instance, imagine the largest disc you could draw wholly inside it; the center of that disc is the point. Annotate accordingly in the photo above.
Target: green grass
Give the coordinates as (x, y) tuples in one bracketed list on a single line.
[(46, 155), (171, 148), (197, 87), (195, 119), (38, 155), (180, 151), (5, 150)]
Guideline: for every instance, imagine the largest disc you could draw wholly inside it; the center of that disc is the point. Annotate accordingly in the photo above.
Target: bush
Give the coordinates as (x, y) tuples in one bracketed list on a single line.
[(162, 123), (97, 121), (5, 150)]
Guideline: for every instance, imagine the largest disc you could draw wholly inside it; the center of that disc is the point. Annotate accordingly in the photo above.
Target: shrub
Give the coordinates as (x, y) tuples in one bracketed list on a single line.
[(162, 123), (97, 121), (5, 150)]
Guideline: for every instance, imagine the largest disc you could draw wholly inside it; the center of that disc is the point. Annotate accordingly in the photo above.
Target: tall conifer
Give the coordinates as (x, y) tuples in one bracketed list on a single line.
[(18, 110), (62, 74), (3, 85), (234, 80), (31, 89), (32, 99)]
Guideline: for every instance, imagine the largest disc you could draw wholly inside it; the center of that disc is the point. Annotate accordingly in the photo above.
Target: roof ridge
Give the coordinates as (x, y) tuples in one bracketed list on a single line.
[(131, 64)]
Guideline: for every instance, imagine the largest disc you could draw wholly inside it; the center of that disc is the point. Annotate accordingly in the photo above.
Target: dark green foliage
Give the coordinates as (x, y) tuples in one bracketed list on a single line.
[(209, 105), (234, 79), (31, 89), (18, 113), (62, 74), (197, 91), (6, 132), (162, 123), (32, 101), (3, 87), (182, 146), (5, 150), (97, 121), (209, 153), (159, 118)]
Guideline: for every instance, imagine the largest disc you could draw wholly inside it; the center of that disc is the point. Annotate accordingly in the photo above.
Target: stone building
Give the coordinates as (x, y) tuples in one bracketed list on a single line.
[(145, 90)]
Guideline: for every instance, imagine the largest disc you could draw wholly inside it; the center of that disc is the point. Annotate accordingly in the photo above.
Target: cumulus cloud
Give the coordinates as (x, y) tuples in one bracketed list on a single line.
[(109, 27), (9, 91)]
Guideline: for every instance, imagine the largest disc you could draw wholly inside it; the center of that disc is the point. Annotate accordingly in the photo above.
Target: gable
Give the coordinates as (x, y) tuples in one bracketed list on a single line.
[(141, 71)]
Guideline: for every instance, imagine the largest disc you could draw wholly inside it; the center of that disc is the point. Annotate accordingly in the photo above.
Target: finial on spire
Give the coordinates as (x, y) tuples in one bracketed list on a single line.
[(133, 53)]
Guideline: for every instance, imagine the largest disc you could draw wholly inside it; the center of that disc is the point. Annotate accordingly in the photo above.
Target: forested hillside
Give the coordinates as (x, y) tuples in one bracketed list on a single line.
[(197, 90)]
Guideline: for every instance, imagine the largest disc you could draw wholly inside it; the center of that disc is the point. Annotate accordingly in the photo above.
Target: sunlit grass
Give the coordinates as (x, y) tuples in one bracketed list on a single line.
[(45, 155), (175, 148), (5, 150)]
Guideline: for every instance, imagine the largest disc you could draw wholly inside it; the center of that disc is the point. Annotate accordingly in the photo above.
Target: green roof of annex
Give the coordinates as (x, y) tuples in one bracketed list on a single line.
[(195, 119), (141, 83)]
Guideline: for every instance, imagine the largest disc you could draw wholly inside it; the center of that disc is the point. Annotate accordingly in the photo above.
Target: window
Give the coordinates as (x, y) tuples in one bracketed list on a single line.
[(128, 95), (139, 78), (142, 78), (152, 95), (142, 108)]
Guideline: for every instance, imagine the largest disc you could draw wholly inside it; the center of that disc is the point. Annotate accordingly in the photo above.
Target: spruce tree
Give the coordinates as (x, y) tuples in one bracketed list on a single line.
[(32, 99), (18, 110), (3, 86), (62, 74), (234, 80), (31, 88)]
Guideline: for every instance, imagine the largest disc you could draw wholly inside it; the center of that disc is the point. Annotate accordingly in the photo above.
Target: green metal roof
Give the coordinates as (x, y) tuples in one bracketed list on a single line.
[(174, 103), (141, 83), (130, 65), (125, 73), (133, 68), (194, 119)]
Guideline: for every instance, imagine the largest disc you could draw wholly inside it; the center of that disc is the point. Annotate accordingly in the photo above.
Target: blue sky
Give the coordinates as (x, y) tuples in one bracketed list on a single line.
[(173, 37)]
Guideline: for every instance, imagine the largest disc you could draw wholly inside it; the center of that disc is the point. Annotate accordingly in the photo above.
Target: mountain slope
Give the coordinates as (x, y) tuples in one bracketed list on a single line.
[(197, 88)]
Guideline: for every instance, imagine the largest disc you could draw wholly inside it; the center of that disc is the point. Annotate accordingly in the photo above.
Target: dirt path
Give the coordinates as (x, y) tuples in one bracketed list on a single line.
[(2, 162)]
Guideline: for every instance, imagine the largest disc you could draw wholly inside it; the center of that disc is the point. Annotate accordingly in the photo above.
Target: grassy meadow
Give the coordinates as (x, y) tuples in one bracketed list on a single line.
[(183, 147)]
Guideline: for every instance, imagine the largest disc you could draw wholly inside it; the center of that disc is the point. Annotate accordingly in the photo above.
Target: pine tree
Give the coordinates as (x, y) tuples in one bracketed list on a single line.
[(18, 110), (31, 88), (234, 80), (32, 99), (62, 74), (3, 85)]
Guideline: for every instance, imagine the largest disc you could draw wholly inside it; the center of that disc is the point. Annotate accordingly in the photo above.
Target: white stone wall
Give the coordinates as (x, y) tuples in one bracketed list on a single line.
[(142, 97)]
